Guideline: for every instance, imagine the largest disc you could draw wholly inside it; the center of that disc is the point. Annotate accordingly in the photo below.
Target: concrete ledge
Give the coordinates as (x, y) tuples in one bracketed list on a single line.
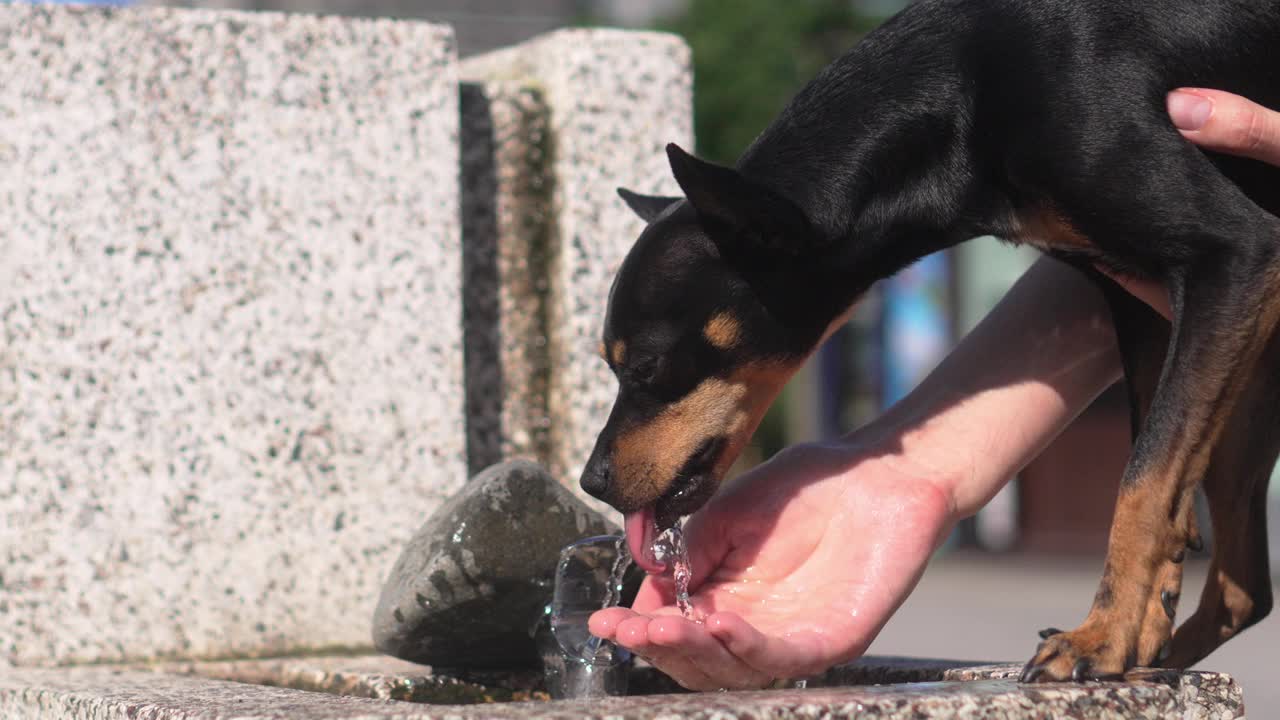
[(938, 690)]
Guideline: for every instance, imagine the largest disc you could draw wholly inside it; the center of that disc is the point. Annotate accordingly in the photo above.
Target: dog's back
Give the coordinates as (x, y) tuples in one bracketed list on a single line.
[(1053, 69)]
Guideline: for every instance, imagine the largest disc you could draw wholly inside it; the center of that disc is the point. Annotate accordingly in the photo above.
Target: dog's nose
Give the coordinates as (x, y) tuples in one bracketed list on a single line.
[(596, 479)]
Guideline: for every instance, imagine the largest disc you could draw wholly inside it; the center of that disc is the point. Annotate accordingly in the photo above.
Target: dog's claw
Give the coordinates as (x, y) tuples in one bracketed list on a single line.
[(1170, 601), (1180, 555), (1049, 632), (1195, 543), (1082, 654), (1164, 652)]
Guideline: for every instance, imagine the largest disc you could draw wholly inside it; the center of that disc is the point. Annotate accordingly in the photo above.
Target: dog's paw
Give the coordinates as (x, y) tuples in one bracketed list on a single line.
[(1079, 655)]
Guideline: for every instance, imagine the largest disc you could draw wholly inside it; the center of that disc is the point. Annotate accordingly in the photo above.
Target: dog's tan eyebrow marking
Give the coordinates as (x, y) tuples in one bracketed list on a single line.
[(723, 330), (618, 352)]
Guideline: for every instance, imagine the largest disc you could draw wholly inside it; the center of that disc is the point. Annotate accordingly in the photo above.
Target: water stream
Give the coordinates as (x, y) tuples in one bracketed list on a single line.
[(671, 549)]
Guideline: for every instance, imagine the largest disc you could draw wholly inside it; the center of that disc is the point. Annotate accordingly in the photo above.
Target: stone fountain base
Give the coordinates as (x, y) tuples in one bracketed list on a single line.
[(374, 687)]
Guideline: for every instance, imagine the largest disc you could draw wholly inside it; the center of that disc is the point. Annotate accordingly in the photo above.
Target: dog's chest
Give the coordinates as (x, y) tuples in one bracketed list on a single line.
[(1045, 228)]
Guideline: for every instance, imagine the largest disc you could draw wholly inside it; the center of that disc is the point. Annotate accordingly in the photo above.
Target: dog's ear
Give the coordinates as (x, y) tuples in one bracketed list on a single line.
[(746, 209), (648, 207)]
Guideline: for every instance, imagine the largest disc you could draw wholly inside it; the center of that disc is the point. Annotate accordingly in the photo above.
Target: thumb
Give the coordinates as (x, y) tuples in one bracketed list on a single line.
[(1228, 123)]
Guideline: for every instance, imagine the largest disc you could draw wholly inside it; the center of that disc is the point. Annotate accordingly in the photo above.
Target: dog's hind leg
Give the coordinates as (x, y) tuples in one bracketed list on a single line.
[(1237, 591), (1222, 269)]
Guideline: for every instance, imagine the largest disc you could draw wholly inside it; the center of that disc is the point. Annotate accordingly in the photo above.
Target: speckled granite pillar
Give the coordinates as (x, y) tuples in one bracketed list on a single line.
[(230, 367), (615, 99)]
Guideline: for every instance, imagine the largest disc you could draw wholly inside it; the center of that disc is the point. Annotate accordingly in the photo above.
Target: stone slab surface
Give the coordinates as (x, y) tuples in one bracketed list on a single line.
[(615, 99), (230, 348), (110, 693), (378, 677)]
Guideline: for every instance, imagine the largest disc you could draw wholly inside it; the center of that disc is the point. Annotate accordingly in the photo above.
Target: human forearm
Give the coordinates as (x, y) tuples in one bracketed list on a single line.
[(1037, 360)]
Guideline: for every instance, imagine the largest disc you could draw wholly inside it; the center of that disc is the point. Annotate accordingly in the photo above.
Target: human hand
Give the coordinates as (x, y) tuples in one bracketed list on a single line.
[(796, 567), (1220, 121)]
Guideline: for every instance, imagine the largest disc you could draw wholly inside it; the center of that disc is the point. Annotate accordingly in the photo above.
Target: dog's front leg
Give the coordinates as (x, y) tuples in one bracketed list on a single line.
[(1224, 314), (1142, 336)]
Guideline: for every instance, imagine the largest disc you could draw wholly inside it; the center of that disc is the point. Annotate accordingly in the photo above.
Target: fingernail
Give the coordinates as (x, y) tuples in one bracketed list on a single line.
[(1188, 111)]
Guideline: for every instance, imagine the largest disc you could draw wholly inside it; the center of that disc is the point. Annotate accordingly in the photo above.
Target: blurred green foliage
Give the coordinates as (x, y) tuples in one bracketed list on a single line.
[(751, 56)]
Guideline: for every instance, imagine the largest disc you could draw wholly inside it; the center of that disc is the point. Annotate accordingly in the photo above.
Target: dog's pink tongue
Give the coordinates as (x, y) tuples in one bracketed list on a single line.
[(641, 531)]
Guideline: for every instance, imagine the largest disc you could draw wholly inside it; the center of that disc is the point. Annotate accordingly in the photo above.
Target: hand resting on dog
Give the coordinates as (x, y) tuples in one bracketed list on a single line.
[(1220, 121), (800, 562)]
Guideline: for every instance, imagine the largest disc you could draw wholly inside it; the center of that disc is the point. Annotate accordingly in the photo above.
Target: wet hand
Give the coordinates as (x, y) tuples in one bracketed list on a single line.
[(797, 566)]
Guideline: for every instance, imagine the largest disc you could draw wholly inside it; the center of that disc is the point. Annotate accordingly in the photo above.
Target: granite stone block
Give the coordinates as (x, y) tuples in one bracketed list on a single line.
[(231, 353), (614, 100), (189, 693)]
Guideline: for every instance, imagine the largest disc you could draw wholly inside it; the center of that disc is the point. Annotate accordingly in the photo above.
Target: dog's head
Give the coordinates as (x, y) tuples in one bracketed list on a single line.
[(708, 317)]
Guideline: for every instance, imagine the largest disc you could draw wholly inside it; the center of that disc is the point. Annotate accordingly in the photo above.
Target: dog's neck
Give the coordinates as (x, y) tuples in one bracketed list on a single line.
[(873, 152)]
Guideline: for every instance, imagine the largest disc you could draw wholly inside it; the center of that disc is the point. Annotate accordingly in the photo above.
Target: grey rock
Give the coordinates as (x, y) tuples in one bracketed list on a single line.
[(471, 585)]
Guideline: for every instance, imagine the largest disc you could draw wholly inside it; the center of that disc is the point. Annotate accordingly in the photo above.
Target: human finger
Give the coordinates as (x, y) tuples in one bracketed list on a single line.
[(697, 645), (793, 655), (633, 634), (1225, 122), (604, 623)]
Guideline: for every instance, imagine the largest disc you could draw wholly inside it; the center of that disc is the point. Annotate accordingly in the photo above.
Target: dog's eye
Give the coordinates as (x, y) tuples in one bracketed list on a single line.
[(645, 372)]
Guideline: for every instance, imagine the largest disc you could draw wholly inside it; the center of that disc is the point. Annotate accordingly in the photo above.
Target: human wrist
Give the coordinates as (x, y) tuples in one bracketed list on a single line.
[(915, 450), (1041, 356)]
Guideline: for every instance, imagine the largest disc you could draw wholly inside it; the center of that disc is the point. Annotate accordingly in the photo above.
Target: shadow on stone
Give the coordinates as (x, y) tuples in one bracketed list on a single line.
[(505, 148)]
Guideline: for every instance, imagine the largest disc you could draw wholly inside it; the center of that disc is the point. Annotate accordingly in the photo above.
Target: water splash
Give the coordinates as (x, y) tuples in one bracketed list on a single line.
[(589, 577), (595, 649)]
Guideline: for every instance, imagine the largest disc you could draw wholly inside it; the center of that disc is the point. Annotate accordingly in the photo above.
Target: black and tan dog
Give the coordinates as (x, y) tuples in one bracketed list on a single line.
[(1040, 121)]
